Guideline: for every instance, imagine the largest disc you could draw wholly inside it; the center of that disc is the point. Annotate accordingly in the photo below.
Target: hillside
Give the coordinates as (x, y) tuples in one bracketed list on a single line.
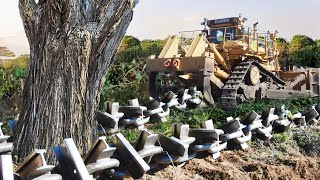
[(5, 52)]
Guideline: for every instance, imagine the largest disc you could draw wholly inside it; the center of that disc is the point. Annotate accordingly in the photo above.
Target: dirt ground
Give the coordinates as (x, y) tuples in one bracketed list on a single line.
[(249, 164)]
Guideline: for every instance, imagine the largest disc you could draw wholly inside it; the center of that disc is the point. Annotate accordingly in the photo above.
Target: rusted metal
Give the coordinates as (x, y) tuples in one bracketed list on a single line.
[(310, 116), (35, 166), (70, 161), (133, 114), (174, 150), (234, 135), (146, 145), (252, 122), (75, 156), (109, 120), (129, 159), (99, 159), (207, 139)]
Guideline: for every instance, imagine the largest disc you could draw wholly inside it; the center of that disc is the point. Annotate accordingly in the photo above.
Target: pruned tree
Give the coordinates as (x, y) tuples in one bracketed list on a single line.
[(72, 44)]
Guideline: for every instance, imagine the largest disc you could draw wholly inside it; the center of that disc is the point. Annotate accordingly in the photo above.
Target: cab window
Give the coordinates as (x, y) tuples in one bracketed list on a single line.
[(217, 35)]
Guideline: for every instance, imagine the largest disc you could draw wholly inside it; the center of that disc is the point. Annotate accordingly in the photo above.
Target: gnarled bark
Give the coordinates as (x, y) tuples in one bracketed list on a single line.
[(72, 44)]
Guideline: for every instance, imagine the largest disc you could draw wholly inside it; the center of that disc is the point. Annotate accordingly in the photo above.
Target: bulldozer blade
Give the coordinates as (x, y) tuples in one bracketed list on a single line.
[(206, 90)]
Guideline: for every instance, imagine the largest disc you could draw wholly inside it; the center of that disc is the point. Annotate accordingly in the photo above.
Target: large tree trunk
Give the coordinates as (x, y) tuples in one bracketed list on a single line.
[(72, 44)]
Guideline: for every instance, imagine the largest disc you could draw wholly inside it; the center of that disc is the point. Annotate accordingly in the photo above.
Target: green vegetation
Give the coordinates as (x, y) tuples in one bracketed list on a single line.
[(298, 104), (308, 140), (11, 81), (285, 145), (126, 79), (20, 62), (299, 42), (300, 51), (12, 74)]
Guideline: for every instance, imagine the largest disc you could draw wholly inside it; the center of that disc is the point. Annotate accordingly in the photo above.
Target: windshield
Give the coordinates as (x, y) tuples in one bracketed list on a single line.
[(217, 35)]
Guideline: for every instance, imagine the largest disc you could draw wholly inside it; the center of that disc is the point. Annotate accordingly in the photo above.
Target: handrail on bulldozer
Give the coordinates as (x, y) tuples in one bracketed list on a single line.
[(190, 31)]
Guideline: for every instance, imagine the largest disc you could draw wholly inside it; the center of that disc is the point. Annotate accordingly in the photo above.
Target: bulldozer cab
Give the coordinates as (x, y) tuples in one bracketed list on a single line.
[(221, 30), (231, 35)]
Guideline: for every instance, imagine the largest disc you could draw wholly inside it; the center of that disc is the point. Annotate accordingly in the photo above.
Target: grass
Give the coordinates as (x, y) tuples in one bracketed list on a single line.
[(308, 140), (285, 146), (194, 117)]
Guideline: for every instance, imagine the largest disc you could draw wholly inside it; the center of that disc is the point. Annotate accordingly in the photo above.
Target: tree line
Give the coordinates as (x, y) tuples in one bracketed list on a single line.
[(300, 51)]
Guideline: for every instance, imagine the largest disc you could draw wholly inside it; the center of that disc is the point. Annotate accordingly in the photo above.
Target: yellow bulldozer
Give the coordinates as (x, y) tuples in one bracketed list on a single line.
[(230, 63)]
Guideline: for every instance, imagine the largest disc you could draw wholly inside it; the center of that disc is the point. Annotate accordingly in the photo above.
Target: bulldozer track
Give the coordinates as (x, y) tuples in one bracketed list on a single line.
[(237, 77), (230, 89)]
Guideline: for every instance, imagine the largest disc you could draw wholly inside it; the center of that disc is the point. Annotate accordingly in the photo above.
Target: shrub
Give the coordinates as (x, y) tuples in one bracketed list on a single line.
[(11, 81)]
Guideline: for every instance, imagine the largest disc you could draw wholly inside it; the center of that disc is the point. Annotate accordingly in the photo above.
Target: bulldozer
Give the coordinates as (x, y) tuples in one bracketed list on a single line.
[(230, 63)]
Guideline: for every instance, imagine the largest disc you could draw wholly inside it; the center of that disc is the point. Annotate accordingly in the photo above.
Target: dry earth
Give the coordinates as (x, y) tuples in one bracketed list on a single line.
[(249, 164), (263, 160)]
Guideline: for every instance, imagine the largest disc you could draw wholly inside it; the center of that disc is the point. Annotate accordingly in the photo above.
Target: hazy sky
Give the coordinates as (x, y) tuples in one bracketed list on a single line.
[(156, 19)]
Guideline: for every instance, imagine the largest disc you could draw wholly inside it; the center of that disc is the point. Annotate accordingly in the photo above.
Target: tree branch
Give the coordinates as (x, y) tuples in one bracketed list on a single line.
[(28, 15), (28, 5), (108, 17), (58, 12), (106, 55), (27, 10)]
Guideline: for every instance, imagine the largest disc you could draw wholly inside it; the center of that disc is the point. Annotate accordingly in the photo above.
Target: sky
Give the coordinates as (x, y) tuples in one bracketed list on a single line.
[(156, 19)]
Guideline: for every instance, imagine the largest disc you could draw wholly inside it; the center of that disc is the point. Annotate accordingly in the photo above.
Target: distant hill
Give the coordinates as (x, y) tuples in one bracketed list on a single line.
[(17, 44), (5, 52)]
